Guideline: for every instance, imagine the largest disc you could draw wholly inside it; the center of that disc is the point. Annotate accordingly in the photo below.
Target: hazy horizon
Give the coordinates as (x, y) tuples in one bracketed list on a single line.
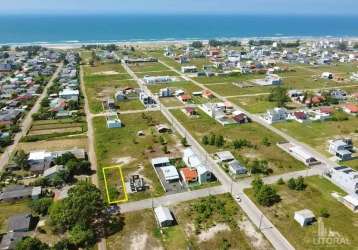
[(269, 7)]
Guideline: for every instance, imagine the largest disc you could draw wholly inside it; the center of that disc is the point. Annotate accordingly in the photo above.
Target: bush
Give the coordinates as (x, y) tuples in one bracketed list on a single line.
[(280, 181), (323, 213), (41, 206), (291, 184), (296, 184)]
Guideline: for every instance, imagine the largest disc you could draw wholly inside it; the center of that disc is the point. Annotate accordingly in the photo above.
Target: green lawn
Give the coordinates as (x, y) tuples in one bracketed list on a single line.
[(123, 144), (279, 161), (317, 134), (187, 87), (316, 196), (145, 67), (167, 72), (126, 105)]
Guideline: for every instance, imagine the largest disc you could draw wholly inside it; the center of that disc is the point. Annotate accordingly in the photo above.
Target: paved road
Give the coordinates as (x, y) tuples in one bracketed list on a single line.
[(91, 151), (171, 199), (255, 215), (26, 123)]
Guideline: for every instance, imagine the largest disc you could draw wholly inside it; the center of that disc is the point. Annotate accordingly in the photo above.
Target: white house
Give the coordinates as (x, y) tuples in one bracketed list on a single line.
[(52, 171), (327, 75), (113, 121), (189, 69), (160, 162), (270, 79), (304, 217), (69, 94), (164, 216), (236, 168), (303, 155), (344, 177), (170, 173), (224, 156), (158, 79), (351, 201), (275, 115), (191, 160), (341, 148), (165, 92)]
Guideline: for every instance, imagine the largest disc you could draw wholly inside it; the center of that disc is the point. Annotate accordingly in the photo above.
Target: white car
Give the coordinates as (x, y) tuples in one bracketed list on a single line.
[(238, 198)]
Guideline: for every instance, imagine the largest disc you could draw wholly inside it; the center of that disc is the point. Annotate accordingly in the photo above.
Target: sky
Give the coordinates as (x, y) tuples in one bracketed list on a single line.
[(313, 7)]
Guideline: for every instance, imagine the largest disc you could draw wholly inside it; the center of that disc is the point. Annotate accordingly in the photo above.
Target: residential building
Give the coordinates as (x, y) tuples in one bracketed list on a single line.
[(189, 175), (17, 192), (69, 94), (341, 148), (170, 173), (20, 222), (235, 168), (164, 216), (344, 177), (276, 115), (304, 217)]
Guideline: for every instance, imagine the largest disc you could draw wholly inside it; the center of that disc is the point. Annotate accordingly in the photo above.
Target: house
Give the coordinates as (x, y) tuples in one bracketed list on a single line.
[(170, 173), (344, 177), (303, 155), (236, 168), (276, 115), (207, 94), (137, 183), (69, 94), (299, 116), (20, 223), (17, 192), (165, 92), (189, 69), (350, 108), (113, 121), (39, 160), (189, 175), (315, 100), (146, 99), (351, 201), (184, 98), (10, 240), (327, 75), (240, 118), (304, 217), (339, 94), (341, 148), (52, 171), (270, 79), (158, 79), (120, 95), (204, 175), (163, 216), (192, 161), (160, 162), (190, 111), (224, 156)]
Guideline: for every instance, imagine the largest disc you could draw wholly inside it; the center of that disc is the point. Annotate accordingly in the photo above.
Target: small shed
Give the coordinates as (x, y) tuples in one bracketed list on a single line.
[(236, 168), (225, 156), (304, 217), (164, 216)]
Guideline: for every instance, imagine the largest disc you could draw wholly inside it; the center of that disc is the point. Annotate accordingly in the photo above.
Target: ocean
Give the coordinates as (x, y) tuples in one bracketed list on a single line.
[(17, 29)]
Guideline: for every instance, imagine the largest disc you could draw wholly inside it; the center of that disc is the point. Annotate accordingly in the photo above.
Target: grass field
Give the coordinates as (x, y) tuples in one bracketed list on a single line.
[(51, 127), (55, 145), (341, 220), (123, 146), (167, 72), (317, 134), (147, 67), (133, 104), (140, 230), (114, 182), (187, 87), (279, 161), (100, 87)]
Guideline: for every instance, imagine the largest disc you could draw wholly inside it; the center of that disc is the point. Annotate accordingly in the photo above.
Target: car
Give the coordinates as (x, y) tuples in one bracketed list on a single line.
[(237, 197)]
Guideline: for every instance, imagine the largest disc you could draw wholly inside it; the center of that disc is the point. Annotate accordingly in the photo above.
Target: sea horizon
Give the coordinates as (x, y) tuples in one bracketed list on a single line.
[(78, 29)]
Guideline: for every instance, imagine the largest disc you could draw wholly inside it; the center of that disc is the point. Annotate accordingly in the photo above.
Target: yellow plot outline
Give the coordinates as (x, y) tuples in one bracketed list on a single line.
[(122, 181)]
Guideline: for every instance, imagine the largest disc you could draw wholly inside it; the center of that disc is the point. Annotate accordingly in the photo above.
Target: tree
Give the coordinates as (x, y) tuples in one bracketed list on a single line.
[(291, 184), (64, 158), (219, 141), (279, 96), (267, 196), (324, 213), (29, 243), (257, 184), (41, 206), (73, 105), (205, 140), (84, 205), (81, 236), (280, 181), (184, 142), (21, 159), (197, 44), (212, 139), (64, 244), (300, 184)]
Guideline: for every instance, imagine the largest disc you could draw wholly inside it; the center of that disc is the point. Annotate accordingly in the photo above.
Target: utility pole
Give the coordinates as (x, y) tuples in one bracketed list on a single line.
[(262, 215)]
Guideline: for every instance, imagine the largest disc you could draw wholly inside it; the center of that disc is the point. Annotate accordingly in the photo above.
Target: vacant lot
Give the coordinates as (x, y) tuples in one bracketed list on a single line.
[(147, 67), (187, 87), (55, 145), (114, 186), (141, 231), (101, 86), (123, 146), (340, 223), (278, 160), (317, 134)]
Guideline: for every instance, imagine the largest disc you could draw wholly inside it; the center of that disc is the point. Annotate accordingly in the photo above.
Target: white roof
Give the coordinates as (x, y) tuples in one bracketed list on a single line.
[(160, 160), (201, 169), (170, 173), (351, 199), (69, 92), (163, 214), (38, 155), (305, 213), (225, 155), (301, 152), (52, 170)]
